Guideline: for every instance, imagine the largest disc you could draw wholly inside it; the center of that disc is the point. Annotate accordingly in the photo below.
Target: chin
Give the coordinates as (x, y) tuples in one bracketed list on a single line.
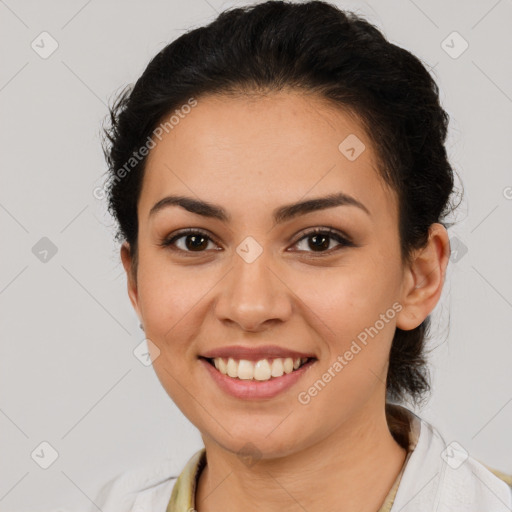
[(257, 443)]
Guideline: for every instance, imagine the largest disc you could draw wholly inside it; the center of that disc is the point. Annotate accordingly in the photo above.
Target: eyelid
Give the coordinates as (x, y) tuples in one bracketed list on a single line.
[(332, 232), (339, 236), (169, 240)]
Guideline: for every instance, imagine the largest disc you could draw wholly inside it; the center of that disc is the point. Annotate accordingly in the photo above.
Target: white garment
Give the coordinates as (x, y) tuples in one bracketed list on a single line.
[(138, 490), (436, 478), (444, 478)]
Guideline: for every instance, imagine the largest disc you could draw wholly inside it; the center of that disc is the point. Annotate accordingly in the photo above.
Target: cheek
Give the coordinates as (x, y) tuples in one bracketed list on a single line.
[(346, 299), (350, 311), (170, 302), (354, 324), (173, 304)]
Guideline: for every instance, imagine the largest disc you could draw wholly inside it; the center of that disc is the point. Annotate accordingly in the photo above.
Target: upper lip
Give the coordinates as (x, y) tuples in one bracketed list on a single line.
[(254, 353)]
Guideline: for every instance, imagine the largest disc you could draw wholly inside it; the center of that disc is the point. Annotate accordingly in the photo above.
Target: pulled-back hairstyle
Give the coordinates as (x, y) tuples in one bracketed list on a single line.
[(311, 47)]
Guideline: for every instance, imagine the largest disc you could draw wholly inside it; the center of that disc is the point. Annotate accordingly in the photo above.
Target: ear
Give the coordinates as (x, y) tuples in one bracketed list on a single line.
[(130, 277), (424, 279)]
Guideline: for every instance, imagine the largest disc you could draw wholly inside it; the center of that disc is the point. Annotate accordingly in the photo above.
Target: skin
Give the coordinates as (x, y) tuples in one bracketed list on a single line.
[(250, 156)]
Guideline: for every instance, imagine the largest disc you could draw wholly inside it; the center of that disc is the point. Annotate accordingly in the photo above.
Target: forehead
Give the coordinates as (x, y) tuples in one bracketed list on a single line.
[(263, 151)]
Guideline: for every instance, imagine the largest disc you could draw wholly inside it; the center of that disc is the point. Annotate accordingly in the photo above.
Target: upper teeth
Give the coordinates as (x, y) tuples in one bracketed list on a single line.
[(263, 369)]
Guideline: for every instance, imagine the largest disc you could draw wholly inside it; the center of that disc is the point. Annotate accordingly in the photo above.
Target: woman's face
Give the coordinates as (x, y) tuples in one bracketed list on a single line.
[(256, 278)]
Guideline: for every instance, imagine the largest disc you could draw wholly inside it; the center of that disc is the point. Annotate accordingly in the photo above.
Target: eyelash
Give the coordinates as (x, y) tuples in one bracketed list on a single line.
[(330, 232)]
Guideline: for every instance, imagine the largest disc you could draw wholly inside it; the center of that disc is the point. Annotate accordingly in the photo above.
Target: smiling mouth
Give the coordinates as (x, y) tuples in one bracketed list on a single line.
[(261, 370)]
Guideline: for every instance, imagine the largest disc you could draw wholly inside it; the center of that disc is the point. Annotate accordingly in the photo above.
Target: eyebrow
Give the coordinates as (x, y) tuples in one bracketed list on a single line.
[(280, 215)]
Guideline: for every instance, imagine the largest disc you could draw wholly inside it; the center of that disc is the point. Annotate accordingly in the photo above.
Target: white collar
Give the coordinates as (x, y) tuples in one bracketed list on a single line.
[(443, 477)]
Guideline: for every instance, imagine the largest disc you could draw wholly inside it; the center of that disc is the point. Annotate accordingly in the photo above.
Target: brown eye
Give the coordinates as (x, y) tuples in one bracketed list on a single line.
[(193, 241), (319, 240)]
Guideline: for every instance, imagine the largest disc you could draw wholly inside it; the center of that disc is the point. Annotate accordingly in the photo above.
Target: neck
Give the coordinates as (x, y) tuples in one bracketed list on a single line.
[(353, 469)]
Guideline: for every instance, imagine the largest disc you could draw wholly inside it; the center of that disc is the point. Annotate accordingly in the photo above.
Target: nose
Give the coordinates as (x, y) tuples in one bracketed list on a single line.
[(253, 296)]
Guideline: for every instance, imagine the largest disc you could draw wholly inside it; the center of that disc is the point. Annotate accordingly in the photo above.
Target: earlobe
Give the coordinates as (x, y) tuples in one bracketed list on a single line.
[(424, 279), (126, 259)]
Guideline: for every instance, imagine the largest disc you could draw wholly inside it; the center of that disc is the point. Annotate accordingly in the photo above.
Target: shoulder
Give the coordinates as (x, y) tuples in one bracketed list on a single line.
[(462, 476), (143, 488), (444, 475), (505, 477)]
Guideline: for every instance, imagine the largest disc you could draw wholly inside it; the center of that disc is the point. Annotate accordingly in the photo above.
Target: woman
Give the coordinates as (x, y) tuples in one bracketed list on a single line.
[(280, 182)]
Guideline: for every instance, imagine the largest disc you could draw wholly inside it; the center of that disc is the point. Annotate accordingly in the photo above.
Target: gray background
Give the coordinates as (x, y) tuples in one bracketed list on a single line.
[(67, 372)]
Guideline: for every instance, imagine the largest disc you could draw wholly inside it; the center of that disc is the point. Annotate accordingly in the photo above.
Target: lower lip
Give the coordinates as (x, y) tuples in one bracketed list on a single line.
[(249, 389)]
